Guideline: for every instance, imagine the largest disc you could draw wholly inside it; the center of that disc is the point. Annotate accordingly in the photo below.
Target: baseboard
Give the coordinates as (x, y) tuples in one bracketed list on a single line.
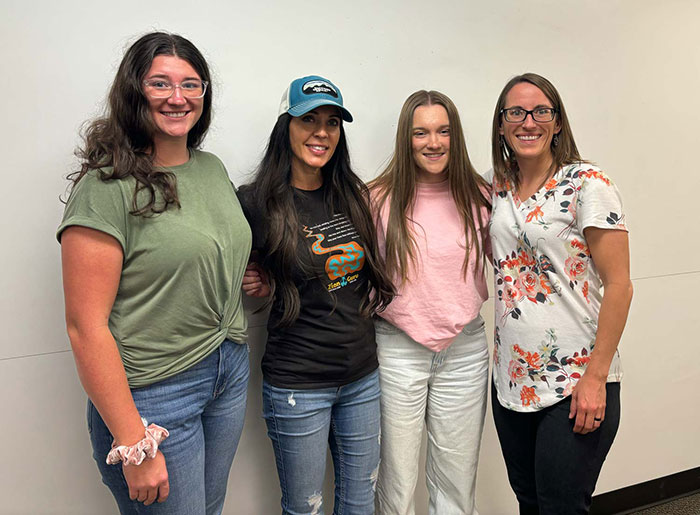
[(647, 494)]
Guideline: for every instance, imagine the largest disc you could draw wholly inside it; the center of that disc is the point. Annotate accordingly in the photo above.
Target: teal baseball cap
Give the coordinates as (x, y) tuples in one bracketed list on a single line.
[(308, 93)]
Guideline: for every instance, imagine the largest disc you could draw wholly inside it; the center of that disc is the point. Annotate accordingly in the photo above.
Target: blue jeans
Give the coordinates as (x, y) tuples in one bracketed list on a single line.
[(300, 422), (204, 409)]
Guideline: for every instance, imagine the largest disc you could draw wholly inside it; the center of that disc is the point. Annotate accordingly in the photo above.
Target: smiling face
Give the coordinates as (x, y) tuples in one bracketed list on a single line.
[(431, 142), (174, 116), (313, 138), (529, 140)]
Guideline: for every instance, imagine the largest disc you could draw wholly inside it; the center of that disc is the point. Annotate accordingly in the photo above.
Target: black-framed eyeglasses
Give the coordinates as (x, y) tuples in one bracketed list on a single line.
[(518, 114), (160, 88)]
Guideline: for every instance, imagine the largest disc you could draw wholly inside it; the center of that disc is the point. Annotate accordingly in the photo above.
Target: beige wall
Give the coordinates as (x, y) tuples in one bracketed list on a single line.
[(629, 72)]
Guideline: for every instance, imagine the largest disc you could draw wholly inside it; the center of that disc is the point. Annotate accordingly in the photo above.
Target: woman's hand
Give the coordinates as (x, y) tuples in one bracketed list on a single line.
[(255, 282), (148, 482), (588, 404)]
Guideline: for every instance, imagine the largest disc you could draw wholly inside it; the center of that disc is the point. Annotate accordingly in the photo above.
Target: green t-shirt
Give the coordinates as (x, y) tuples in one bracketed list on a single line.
[(179, 293)]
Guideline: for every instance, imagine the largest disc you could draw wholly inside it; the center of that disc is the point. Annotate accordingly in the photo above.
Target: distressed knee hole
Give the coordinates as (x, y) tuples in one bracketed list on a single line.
[(315, 501)]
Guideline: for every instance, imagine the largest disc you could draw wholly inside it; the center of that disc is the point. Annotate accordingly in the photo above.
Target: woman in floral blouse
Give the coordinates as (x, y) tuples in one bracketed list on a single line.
[(563, 291)]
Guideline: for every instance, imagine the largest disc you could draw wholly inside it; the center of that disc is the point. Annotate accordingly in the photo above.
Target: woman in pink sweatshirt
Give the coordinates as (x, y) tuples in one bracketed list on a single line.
[(432, 210)]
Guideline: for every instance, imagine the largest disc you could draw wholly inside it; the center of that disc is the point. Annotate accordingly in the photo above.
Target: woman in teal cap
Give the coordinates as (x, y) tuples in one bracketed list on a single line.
[(314, 238)]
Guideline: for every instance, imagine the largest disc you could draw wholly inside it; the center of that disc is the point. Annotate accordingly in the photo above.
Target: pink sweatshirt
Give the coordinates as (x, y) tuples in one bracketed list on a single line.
[(436, 302)]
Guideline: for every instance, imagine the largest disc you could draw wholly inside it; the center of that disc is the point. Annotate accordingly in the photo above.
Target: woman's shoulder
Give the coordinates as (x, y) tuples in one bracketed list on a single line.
[(98, 182), (583, 171)]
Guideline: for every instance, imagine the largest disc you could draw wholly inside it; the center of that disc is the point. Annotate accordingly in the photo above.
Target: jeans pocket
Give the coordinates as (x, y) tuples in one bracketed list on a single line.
[(381, 326), (474, 327)]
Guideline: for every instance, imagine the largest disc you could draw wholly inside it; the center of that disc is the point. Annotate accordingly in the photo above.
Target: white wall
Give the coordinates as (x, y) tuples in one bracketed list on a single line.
[(629, 72)]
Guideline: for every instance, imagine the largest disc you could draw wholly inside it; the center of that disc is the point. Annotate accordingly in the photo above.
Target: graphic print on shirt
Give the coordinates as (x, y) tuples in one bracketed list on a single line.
[(346, 259)]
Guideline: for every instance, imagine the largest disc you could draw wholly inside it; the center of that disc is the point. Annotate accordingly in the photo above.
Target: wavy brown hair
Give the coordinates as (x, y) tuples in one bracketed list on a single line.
[(397, 184), (564, 152), (272, 195), (119, 144)]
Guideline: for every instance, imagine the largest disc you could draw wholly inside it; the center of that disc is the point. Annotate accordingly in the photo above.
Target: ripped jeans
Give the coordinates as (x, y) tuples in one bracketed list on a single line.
[(300, 422)]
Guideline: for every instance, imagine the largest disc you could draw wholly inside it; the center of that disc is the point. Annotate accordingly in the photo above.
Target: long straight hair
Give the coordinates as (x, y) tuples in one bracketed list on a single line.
[(345, 193), (398, 184), (563, 148), (123, 137)]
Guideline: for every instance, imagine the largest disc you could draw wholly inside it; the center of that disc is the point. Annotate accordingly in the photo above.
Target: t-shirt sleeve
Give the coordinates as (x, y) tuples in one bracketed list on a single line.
[(599, 202), (98, 205)]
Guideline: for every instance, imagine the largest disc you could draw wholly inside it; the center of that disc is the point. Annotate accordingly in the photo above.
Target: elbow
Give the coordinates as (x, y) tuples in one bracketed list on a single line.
[(75, 333), (80, 332)]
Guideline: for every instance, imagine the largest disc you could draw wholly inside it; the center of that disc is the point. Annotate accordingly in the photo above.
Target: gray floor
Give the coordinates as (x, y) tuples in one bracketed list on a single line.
[(689, 505)]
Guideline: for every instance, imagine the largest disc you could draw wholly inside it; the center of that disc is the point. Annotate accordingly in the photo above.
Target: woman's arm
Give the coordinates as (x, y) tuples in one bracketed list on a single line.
[(610, 253), (92, 264), (255, 280)]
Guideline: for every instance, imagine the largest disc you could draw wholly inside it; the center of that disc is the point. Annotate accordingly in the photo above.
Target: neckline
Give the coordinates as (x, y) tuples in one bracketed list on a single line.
[(425, 187), (184, 166), (537, 195)]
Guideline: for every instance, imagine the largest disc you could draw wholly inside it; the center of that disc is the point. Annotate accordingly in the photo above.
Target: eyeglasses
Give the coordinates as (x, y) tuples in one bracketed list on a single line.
[(518, 114), (159, 88)]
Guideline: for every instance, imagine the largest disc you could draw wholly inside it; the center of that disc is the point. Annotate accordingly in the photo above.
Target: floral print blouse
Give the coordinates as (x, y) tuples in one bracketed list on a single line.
[(547, 290)]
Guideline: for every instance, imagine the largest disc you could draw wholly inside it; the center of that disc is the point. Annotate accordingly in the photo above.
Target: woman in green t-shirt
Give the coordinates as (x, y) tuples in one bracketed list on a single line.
[(154, 247)]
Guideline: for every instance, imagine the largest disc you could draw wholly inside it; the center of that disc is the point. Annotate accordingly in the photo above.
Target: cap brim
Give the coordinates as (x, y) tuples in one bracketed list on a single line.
[(305, 107)]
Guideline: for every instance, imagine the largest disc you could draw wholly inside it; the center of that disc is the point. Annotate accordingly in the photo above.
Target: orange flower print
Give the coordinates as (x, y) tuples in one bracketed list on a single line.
[(545, 284), (551, 184), (511, 295), (595, 175), (516, 371), (534, 214), (533, 360), (528, 396), (576, 244), (584, 290), (518, 350), (523, 259), (579, 361), (575, 268), (529, 283)]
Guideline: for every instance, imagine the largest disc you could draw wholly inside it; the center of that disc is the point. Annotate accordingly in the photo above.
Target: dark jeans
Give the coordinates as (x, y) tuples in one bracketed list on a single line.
[(552, 470)]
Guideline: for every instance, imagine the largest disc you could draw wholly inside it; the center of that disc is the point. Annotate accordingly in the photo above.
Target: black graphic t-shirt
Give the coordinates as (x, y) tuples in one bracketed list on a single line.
[(331, 343)]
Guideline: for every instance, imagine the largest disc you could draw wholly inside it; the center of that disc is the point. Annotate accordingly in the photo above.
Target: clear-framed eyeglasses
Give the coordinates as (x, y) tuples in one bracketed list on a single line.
[(518, 114), (160, 88)]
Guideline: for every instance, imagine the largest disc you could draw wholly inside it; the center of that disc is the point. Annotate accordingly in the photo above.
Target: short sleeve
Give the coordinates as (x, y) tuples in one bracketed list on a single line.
[(599, 203), (98, 205)]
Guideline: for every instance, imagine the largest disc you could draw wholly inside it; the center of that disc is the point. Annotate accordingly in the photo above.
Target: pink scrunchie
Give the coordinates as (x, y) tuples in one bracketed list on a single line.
[(135, 454)]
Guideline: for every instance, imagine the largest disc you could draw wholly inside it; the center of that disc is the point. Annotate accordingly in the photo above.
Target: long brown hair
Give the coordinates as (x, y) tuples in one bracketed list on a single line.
[(123, 138), (398, 184), (563, 147), (273, 197)]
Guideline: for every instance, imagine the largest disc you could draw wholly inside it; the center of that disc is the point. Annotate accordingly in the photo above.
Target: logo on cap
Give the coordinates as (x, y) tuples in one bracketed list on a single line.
[(314, 87)]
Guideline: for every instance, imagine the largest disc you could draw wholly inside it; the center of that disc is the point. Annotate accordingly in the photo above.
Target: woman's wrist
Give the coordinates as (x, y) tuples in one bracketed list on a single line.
[(147, 447), (598, 372)]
